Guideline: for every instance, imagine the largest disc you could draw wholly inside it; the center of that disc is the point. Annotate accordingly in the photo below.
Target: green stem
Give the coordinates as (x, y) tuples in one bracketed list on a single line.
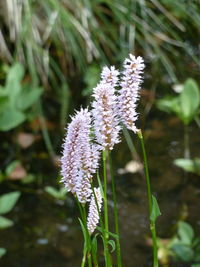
[(119, 260), (152, 223), (108, 259), (105, 193), (84, 251), (89, 258)]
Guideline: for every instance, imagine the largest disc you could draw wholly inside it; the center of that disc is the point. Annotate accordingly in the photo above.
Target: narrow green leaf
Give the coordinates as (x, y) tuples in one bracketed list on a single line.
[(112, 243), (84, 231), (94, 249), (5, 223), (110, 233), (2, 252), (8, 201), (155, 210)]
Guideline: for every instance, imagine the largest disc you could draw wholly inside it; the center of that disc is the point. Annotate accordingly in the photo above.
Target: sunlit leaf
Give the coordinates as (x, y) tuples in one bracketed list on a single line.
[(190, 165), (8, 201), (189, 100), (2, 252), (5, 223), (11, 118), (56, 193), (185, 233)]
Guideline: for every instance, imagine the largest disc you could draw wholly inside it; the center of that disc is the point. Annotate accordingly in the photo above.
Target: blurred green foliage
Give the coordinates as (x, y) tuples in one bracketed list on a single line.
[(16, 98), (186, 106), (183, 246)]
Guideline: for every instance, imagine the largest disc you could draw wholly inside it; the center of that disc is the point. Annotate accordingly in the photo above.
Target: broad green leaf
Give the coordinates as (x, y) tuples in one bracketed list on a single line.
[(10, 167), (112, 243), (189, 100), (155, 210), (3, 103), (166, 104), (5, 223), (10, 119), (184, 252), (13, 82), (185, 233), (195, 265), (189, 165), (59, 194), (15, 75), (30, 178), (2, 252), (8, 201), (28, 97)]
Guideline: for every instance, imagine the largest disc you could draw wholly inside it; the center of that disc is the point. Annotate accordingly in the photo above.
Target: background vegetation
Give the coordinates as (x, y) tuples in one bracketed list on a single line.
[(51, 54)]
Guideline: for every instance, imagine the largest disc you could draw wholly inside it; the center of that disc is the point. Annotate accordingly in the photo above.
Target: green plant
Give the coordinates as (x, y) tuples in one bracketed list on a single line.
[(7, 202), (189, 165), (184, 246), (16, 98), (186, 106), (56, 193)]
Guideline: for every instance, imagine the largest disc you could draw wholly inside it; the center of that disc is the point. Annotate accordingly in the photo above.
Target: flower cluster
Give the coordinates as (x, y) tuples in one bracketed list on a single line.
[(106, 121), (94, 209), (80, 157), (110, 76), (129, 93)]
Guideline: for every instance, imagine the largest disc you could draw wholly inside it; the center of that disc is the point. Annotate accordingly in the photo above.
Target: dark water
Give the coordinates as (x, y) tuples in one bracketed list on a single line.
[(47, 233)]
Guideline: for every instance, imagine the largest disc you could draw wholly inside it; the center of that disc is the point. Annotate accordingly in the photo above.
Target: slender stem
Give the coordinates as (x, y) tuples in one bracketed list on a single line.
[(88, 239), (186, 143), (108, 259), (152, 223), (84, 250), (105, 193), (119, 260)]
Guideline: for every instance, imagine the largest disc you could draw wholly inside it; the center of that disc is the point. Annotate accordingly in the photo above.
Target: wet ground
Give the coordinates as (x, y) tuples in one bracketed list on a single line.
[(47, 233)]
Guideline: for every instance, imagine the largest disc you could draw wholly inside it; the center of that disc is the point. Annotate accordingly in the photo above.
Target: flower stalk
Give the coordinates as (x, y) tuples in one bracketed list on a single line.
[(149, 194)]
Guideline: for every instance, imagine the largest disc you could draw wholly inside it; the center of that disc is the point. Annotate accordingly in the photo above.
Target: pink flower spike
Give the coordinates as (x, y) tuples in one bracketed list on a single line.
[(93, 216), (129, 93), (80, 157)]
